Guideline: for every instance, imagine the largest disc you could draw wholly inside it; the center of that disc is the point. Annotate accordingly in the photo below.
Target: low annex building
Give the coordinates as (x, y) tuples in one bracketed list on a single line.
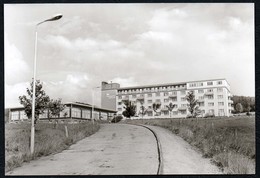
[(73, 110), (214, 97)]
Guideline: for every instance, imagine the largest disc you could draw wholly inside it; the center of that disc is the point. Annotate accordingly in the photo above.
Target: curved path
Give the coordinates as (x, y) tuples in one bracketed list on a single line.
[(121, 149), (179, 157), (115, 149)]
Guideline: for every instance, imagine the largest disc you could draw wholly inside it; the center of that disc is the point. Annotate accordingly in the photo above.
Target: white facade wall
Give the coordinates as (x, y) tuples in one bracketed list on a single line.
[(215, 94)]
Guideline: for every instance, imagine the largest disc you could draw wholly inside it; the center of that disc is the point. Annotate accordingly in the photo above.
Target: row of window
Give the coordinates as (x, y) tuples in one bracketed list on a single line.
[(166, 100), (183, 92), (200, 84)]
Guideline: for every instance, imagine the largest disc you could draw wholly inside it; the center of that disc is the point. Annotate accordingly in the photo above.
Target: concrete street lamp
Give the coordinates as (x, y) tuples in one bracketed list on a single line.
[(56, 17), (92, 113)]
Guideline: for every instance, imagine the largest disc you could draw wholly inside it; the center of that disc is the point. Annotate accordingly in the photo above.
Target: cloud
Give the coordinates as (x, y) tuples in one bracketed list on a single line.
[(12, 93), (16, 69)]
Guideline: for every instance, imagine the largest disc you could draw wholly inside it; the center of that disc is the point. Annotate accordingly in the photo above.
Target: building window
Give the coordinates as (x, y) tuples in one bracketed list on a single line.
[(183, 92), (119, 109), (119, 97), (165, 113), (220, 89), (133, 96), (183, 105), (201, 97), (201, 84), (211, 111), (209, 90), (209, 83), (210, 97), (220, 96), (221, 103), (150, 101), (202, 111), (174, 99), (183, 99), (219, 82), (157, 100), (201, 103), (210, 104), (175, 112), (200, 91), (119, 103), (166, 100), (76, 112), (150, 95), (166, 94), (158, 94), (183, 112), (149, 107)]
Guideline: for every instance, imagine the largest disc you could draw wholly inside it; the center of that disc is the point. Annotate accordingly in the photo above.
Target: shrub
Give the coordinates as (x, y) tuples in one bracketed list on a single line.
[(209, 115), (116, 119)]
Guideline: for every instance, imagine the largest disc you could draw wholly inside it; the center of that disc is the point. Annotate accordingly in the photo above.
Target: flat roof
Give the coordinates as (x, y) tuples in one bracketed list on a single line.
[(72, 103), (167, 84)]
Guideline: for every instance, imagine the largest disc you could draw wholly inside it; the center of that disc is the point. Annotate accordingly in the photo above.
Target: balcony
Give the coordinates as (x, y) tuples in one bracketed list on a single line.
[(173, 96), (182, 108), (209, 93), (140, 98)]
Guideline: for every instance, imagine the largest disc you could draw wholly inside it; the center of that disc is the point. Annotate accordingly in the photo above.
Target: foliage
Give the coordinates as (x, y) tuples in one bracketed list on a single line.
[(248, 103), (55, 107), (41, 100), (239, 107), (116, 119), (156, 107), (130, 109), (171, 107), (193, 106)]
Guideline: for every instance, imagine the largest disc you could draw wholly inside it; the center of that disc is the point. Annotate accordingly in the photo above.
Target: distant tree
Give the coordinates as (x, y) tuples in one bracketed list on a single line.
[(193, 106), (239, 107), (170, 108), (143, 111), (156, 107), (244, 101), (130, 109), (41, 100)]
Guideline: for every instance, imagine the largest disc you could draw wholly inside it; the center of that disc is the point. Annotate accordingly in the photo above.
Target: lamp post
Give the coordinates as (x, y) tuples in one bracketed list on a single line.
[(56, 17), (92, 113)]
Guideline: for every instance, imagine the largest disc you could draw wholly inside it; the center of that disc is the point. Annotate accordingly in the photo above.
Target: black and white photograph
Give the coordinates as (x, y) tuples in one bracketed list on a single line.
[(129, 89)]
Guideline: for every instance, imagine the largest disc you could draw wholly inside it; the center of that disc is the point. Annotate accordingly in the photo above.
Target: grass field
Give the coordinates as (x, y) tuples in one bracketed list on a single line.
[(48, 140), (229, 142)]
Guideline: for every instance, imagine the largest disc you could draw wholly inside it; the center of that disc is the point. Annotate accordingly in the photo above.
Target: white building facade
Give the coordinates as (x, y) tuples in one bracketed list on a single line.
[(214, 98)]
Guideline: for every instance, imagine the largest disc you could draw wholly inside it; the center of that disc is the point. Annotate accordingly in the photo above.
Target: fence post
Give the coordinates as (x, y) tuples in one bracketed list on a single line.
[(66, 131)]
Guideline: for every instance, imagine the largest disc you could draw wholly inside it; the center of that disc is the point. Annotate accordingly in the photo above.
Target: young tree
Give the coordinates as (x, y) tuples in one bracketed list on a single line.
[(130, 109), (170, 108), (156, 107), (55, 108), (142, 111), (239, 108), (41, 100), (193, 106)]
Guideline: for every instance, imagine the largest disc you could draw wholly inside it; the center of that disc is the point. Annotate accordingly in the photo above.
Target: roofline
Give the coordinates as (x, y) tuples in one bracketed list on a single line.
[(166, 84), (73, 103)]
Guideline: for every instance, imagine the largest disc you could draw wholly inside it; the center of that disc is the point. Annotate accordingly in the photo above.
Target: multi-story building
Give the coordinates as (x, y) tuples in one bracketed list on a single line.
[(214, 97)]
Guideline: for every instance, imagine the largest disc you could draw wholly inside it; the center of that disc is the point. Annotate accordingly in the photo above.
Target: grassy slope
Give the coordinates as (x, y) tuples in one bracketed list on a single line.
[(48, 140), (230, 142)]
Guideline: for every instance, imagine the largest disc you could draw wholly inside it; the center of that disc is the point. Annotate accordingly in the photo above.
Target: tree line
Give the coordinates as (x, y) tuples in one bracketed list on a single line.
[(243, 104)]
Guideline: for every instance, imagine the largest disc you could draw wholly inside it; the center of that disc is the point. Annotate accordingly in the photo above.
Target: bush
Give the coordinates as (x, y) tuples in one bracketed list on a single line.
[(116, 119)]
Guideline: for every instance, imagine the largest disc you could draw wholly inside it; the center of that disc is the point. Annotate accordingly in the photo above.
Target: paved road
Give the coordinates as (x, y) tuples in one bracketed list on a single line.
[(115, 149), (178, 157), (122, 149)]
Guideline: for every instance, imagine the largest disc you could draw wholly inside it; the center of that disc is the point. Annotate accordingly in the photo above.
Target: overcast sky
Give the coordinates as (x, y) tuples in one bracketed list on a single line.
[(132, 44)]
